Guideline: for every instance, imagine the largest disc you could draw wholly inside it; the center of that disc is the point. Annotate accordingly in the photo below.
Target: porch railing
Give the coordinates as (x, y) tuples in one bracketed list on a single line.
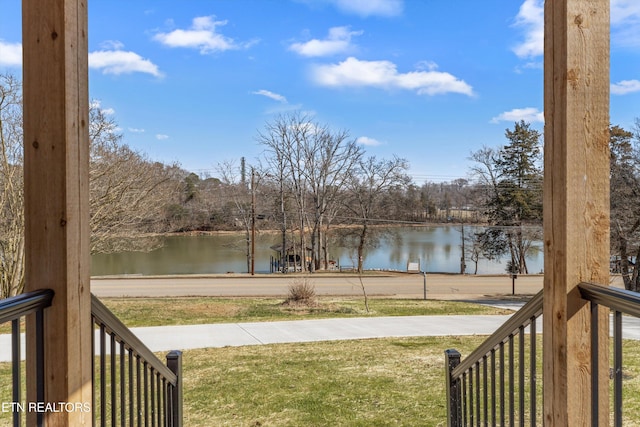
[(472, 394), (482, 388), (131, 385), (14, 310), (620, 302)]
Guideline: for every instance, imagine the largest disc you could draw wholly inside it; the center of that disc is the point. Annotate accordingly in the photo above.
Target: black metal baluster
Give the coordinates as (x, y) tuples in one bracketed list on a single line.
[(532, 359), (159, 398), (103, 380), (146, 394), (152, 407), (114, 384), (617, 356), (15, 369), (485, 391), (471, 412), (511, 384), (477, 392), (594, 364), (521, 380), (123, 402), (138, 391), (131, 395), (465, 406), (493, 387), (502, 403)]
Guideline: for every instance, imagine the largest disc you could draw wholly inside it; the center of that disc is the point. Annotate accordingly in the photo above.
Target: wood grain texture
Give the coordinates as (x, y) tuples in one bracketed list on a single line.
[(56, 145), (576, 203)]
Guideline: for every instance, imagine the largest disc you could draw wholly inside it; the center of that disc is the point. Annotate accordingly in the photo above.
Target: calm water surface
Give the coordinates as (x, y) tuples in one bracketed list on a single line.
[(437, 248)]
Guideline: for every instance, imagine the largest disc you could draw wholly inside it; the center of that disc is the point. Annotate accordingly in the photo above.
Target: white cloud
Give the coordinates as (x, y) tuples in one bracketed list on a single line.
[(530, 115), (97, 104), (272, 95), (624, 11), (384, 74), (135, 130), (10, 54), (162, 137), (366, 8), (202, 35), (625, 26), (531, 19), (427, 65), (122, 62), (111, 45), (366, 141), (625, 23), (337, 41), (625, 86)]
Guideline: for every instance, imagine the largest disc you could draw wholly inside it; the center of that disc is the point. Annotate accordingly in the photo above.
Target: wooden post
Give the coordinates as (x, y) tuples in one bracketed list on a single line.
[(56, 150), (576, 204)]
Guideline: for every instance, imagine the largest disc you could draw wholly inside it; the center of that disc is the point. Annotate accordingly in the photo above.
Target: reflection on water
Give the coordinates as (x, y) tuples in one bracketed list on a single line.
[(436, 247)]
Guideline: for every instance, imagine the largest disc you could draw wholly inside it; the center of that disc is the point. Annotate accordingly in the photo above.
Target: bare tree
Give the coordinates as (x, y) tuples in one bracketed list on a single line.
[(128, 192), (11, 194), (284, 139), (330, 160), (313, 162), (625, 196), (235, 190), (366, 189)]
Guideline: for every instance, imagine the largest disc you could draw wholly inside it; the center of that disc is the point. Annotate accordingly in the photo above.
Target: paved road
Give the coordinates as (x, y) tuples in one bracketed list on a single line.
[(401, 285)]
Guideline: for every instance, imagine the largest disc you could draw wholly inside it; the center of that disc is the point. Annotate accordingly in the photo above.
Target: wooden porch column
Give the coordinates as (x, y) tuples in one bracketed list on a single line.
[(56, 150), (576, 204)]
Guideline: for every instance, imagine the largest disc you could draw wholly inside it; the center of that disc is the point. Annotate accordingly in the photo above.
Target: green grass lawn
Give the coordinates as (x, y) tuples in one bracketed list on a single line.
[(135, 312), (199, 310), (376, 382), (381, 382)]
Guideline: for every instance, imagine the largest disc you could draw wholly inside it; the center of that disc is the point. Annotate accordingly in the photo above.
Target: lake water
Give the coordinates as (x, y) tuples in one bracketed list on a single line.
[(437, 248)]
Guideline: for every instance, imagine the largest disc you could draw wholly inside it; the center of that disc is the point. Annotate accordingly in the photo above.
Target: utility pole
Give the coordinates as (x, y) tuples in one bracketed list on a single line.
[(253, 221), (463, 265), (283, 251)]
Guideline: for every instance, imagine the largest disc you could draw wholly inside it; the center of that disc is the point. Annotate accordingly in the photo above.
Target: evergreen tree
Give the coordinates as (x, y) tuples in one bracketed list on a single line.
[(513, 202)]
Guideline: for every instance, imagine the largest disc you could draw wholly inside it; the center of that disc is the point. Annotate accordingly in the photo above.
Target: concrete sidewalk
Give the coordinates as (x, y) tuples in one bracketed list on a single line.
[(256, 333), (185, 337)]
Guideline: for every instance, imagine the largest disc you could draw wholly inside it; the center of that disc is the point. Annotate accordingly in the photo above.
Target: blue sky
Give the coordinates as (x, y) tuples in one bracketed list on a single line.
[(428, 80)]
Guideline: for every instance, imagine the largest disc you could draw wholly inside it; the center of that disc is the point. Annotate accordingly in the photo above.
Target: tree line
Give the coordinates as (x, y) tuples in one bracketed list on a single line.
[(314, 186)]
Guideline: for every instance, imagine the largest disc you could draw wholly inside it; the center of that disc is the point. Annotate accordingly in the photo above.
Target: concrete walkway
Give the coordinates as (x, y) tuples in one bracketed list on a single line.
[(255, 333), (185, 337)]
